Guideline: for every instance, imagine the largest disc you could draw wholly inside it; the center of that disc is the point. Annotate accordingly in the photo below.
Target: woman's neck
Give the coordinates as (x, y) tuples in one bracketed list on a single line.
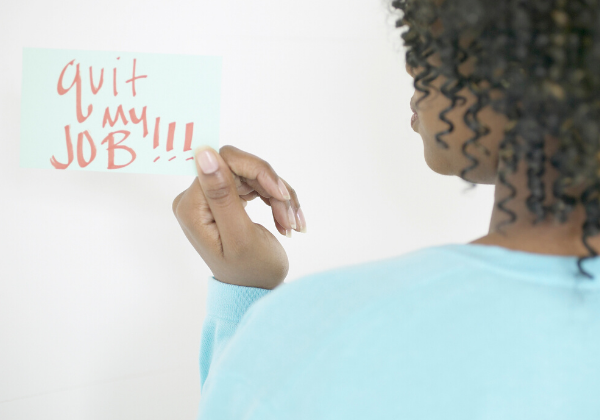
[(545, 237)]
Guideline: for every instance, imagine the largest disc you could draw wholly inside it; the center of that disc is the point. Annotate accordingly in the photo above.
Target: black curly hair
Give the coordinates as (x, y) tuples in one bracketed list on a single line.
[(544, 55)]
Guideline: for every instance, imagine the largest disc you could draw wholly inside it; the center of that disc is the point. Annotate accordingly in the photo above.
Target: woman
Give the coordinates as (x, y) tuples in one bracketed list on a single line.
[(504, 327)]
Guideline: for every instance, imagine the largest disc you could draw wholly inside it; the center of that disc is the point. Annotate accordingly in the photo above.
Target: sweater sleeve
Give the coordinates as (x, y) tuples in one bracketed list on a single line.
[(225, 307)]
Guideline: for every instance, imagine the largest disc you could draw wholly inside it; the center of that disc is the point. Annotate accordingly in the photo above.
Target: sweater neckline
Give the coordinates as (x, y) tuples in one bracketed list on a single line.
[(533, 266)]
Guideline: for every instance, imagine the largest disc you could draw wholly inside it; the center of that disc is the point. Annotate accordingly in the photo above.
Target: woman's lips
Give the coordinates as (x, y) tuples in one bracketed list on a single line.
[(414, 118)]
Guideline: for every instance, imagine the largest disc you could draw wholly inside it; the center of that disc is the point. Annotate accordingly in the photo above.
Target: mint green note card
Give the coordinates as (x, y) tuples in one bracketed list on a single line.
[(118, 111)]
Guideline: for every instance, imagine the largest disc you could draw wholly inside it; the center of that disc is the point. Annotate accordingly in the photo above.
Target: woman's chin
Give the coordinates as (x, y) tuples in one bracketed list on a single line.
[(437, 165)]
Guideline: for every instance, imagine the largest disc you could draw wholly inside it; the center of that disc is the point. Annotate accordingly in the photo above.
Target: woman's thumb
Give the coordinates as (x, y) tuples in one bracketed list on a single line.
[(218, 184)]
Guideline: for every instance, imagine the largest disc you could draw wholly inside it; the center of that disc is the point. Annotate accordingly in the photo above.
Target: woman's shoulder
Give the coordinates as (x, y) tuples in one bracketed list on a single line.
[(362, 282), (453, 265)]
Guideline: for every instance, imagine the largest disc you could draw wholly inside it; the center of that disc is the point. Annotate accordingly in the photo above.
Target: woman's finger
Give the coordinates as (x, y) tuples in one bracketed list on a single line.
[(298, 213), (258, 174), (215, 190), (266, 200), (280, 207), (254, 171), (285, 213), (280, 228), (240, 184), (251, 196), (280, 210)]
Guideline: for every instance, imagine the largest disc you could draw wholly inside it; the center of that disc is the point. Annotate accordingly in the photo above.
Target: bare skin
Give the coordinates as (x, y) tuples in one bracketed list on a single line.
[(547, 237)]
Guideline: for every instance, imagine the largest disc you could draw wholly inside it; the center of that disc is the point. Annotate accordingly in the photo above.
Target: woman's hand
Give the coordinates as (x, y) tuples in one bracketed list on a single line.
[(212, 215)]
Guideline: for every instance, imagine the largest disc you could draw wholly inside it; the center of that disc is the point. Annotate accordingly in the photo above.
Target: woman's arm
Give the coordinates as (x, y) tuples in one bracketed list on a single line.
[(226, 305)]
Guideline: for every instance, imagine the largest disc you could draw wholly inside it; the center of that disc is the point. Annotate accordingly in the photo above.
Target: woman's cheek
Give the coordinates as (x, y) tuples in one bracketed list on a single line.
[(436, 156)]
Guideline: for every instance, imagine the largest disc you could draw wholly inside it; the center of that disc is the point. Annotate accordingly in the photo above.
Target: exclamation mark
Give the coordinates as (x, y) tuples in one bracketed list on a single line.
[(189, 130), (156, 126), (170, 138), (187, 145)]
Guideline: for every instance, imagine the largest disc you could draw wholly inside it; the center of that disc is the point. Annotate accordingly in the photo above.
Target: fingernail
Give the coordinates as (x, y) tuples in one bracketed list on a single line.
[(208, 163), (302, 221), (283, 190), (292, 217), (288, 233)]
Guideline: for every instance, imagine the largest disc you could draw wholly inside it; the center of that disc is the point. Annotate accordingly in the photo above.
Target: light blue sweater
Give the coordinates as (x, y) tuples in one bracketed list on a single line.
[(458, 331)]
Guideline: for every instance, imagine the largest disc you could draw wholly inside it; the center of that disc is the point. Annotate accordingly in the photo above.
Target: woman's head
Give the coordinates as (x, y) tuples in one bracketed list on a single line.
[(501, 85), (450, 160)]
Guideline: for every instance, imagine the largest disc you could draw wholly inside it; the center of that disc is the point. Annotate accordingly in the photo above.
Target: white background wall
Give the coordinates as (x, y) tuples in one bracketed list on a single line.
[(101, 296)]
